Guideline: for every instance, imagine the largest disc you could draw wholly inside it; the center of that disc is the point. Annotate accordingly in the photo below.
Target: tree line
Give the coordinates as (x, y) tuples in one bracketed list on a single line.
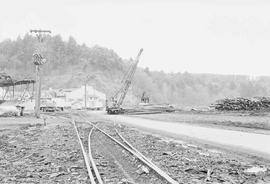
[(69, 63)]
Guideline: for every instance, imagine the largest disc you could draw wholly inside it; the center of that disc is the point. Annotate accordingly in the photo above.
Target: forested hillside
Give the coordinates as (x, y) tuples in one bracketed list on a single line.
[(69, 63)]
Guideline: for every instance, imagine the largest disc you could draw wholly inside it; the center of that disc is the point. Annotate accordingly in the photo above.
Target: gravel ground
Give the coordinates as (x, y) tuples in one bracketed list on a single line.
[(51, 154), (38, 154), (114, 163)]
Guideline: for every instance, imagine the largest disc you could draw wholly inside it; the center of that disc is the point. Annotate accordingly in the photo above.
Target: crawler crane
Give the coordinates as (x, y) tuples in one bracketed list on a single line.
[(113, 106)]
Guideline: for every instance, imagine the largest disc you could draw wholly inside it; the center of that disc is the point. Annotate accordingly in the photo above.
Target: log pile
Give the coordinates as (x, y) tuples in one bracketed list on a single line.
[(150, 109), (243, 104)]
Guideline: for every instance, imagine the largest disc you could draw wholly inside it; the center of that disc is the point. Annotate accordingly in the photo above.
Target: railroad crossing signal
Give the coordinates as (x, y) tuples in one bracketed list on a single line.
[(38, 60)]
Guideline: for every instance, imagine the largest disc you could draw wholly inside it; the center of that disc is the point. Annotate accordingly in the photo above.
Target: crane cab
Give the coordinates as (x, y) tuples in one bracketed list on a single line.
[(112, 107)]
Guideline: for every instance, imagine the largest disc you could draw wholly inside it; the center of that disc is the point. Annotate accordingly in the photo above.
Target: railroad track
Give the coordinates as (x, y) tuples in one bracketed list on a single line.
[(116, 142)]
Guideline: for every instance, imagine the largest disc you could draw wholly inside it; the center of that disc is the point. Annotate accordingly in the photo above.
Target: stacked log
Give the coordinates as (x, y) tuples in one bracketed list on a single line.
[(150, 109), (242, 104)]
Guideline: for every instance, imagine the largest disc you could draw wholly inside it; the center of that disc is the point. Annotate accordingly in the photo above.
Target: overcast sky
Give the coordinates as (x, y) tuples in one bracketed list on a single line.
[(207, 36)]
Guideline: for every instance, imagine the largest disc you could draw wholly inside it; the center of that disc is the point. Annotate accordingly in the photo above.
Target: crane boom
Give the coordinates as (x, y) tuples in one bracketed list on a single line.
[(120, 95)]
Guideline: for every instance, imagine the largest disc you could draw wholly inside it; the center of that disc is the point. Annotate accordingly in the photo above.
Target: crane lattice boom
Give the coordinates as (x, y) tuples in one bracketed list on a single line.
[(120, 95)]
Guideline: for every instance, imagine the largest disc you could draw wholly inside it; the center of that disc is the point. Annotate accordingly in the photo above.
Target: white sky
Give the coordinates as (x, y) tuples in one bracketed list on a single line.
[(209, 36)]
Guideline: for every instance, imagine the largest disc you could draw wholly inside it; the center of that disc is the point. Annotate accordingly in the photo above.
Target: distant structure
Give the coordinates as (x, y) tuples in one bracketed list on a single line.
[(8, 91), (94, 99)]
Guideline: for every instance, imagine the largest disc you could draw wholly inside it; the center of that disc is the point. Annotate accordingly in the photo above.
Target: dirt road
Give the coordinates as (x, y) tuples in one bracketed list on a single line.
[(251, 143)]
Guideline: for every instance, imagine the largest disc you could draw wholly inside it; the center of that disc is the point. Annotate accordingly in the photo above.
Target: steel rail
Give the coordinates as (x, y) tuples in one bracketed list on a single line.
[(133, 148), (145, 158), (92, 160), (86, 160), (154, 168)]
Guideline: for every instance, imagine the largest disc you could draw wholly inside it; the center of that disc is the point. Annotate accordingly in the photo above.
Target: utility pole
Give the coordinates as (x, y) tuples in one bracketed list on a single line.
[(85, 94), (38, 60)]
